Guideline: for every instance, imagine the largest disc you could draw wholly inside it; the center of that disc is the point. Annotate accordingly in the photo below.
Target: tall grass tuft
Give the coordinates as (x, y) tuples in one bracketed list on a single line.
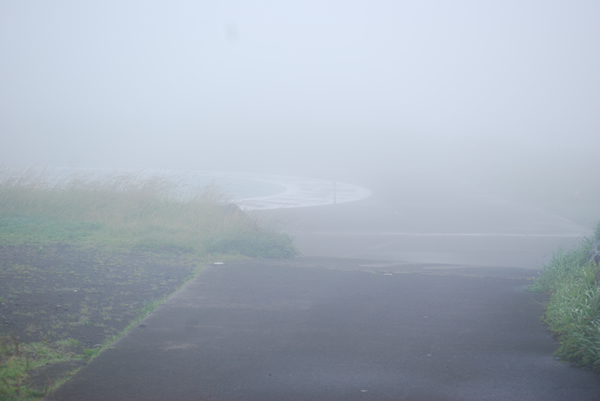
[(129, 210), (573, 312)]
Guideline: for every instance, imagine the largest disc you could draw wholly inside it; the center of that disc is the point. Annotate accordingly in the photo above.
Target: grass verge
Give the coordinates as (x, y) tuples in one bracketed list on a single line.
[(129, 210), (573, 312), (20, 359), (84, 258)]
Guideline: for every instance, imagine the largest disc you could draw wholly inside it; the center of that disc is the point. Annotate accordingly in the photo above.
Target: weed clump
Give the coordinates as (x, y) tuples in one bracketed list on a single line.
[(18, 360), (573, 312)]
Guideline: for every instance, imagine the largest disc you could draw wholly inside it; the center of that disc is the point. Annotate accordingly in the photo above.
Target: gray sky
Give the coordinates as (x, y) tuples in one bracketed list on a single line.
[(270, 86)]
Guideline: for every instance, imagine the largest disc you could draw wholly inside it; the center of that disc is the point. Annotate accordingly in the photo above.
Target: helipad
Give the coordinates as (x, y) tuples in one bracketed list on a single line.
[(295, 191)]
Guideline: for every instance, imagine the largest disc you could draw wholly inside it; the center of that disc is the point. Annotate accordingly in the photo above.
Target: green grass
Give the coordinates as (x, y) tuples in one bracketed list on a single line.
[(573, 313), (129, 211), (18, 359)]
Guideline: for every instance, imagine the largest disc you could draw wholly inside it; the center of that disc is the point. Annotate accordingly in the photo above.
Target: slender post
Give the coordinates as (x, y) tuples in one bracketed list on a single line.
[(334, 194)]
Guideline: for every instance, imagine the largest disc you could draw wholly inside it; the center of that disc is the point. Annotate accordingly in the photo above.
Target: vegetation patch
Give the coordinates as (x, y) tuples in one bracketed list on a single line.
[(573, 312), (83, 259), (129, 211)]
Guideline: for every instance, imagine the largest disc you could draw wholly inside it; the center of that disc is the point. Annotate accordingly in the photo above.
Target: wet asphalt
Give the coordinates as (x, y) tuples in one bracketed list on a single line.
[(334, 325)]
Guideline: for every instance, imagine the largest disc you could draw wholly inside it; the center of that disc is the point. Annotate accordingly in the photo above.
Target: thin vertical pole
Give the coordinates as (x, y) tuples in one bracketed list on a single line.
[(334, 194)]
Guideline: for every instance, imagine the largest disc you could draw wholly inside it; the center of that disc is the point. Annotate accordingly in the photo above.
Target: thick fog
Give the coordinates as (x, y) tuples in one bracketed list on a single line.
[(308, 87)]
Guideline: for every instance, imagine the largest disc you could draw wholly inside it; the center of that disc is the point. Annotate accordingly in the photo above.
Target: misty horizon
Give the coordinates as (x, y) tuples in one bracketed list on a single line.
[(269, 87)]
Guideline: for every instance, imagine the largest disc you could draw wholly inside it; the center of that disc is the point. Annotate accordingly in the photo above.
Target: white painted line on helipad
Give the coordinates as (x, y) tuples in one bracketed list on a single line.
[(300, 192)]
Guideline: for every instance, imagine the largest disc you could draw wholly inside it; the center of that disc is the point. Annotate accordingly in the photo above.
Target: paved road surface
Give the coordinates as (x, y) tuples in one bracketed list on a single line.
[(334, 329), (430, 217), (424, 300)]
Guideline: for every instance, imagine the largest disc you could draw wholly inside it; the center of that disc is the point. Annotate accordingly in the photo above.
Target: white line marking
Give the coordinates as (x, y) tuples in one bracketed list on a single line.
[(392, 234)]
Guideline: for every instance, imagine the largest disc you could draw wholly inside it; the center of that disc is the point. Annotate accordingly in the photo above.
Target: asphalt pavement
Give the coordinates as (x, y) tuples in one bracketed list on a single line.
[(437, 311), (339, 329)]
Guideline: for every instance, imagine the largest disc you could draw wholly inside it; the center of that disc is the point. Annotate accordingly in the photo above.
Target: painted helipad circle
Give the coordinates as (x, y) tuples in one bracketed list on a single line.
[(298, 192)]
